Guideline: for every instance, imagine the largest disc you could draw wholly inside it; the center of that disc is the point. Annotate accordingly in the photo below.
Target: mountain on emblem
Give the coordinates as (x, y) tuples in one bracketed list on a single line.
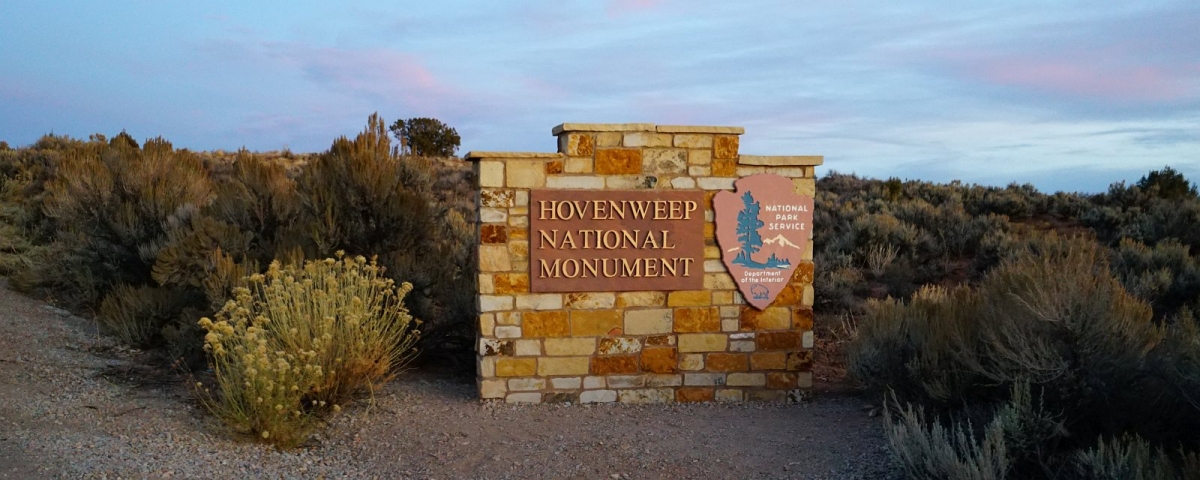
[(762, 230)]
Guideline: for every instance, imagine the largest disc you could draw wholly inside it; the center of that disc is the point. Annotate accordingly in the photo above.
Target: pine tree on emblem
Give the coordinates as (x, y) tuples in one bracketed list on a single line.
[(747, 229)]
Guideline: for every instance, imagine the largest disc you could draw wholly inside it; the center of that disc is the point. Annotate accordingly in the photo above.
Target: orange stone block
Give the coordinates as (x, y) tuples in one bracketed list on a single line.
[(710, 231), (554, 166), (691, 394), (545, 324), (802, 319), (725, 362), (697, 320), (518, 233), (781, 380), (689, 298), (507, 283), (618, 161), (659, 360), (804, 273), (768, 361), (493, 234), (614, 365), (724, 168), (516, 367), (799, 361), (708, 199), (773, 318), (778, 340), (725, 146), (595, 323), (659, 340), (791, 294)]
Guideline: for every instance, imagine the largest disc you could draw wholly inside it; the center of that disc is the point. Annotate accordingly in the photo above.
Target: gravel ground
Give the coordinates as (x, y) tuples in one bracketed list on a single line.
[(74, 405)]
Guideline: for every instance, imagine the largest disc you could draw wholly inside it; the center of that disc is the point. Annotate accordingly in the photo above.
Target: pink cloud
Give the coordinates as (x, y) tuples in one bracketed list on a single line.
[(1085, 77), (372, 72)]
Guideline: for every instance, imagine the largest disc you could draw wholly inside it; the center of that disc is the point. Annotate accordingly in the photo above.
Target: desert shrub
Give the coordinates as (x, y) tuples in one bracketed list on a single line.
[(137, 315), (1054, 318), (1133, 458), (298, 342), (362, 197), (1168, 184), (1166, 276)]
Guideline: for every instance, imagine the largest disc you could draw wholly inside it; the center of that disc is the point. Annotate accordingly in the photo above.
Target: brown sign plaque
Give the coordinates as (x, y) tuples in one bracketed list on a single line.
[(762, 229), (615, 240)]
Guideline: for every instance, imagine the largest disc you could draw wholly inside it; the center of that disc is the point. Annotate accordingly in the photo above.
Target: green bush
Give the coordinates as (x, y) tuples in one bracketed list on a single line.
[(426, 137), (298, 342)]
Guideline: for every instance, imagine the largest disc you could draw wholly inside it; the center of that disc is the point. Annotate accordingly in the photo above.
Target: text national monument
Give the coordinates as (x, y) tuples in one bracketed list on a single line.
[(644, 263)]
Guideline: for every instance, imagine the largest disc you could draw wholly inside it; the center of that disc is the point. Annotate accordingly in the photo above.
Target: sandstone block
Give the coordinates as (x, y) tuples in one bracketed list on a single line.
[(554, 167), (697, 320), (648, 395), (691, 362), (526, 384), (685, 140), (725, 146), (618, 346), (659, 360), (494, 258), (715, 183), (526, 174), (516, 367), (746, 380), (768, 361), (566, 383), (510, 283), (802, 319), (522, 198), (595, 323), (491, 174), (539, 301), (525, 348), (487, 367), (660, 341), (546, 324), (648, 322), (729, 395), (703, 342), (804, 187), (773, 318), (492, 303), (492, 389), (806, 340), (562, 366), (578, 165), (778, 340), (496, 197), (742, 346), (703, 379), (664, 161), (647, 139), (528, 397), (725, 362), (508, 331), (773, 396), (626, 381), (486, 286), (618, 161), (570, 347), (804, 379), (662, 380), (697, 171), (608, 139), (598, 396), (579, 182), (799, 361), (641, 299), (590, 301), (689, 298), (692, 395), (594, 382), (724, 168), (508, 318), (487, 324), (683, 183), (579, 144), (518, 221), (781, 380), (614, 365), (493, 234)]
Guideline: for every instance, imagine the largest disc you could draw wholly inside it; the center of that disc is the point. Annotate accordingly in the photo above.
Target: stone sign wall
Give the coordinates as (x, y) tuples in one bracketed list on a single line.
[(636, 306)]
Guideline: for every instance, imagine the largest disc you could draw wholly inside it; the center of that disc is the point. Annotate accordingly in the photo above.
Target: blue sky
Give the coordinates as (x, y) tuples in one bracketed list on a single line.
[(1065, 95)]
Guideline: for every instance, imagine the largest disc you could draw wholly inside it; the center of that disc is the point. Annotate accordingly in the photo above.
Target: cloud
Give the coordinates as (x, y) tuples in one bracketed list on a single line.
[(616, 8)]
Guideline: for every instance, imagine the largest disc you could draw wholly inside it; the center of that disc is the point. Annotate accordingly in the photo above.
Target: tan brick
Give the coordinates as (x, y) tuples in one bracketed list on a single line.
[(491, 174), (526, 384), (806, 339), (608, 139), (718, 281), (773, 318), (778, 340), (509, 283), (598, 396), (725, 146), (492, 389), (691, 362), (659, 360), (648, 322), (578, 165), (723, 297), (647, 395), (700, 171), (526, 348), (525, 174), (664, 161), (596, 323), (508, 318), (487, 324), (590, 301), (567, 383), (781, 380), (508, 331), (768, 361), (546, 324), (689, 298), (562, 366), (693, 394), (647, 139), (516, 367), (492, 303), (697, 320), (746, 380), (804, 379), (618, 161), (539, 301), (663, 380), (626, 381), (693, 141), (524, 397), (725, 362), (703, 342), (805, 187), (579, 144), (703, 379), (570, 347), (617, 346), (594, 382), (641, 299), (578, 182), (729, 395), (494, 258), (618, 364)]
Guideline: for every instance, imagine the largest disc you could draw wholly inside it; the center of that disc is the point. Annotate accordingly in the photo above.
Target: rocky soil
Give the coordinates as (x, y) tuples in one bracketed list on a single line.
[(74, 404)]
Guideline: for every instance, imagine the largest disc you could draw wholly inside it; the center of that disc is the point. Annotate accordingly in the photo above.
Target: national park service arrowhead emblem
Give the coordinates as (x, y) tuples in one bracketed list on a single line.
[(762, 229)]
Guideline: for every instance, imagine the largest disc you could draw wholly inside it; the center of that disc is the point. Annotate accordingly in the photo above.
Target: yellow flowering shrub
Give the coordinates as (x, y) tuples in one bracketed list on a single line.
[(297, 342)]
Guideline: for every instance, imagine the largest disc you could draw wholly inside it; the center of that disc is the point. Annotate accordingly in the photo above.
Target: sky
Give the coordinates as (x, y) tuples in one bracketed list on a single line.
[(1065, 95)]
